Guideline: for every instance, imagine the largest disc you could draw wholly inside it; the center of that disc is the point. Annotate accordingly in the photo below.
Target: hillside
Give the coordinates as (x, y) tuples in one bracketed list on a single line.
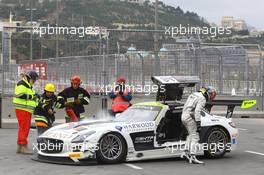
[(102, 12), (106, 13)]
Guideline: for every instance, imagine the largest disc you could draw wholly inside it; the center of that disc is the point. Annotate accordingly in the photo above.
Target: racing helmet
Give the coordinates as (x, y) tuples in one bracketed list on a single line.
[(203, 90), (76, 80), (211, 93), (50, 87)]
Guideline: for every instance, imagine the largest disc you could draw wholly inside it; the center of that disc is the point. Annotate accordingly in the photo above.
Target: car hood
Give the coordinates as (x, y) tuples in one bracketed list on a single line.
[(71, 130)]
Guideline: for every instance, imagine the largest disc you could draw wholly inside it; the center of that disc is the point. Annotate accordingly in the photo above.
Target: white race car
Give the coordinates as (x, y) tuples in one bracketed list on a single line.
[(150, 130)]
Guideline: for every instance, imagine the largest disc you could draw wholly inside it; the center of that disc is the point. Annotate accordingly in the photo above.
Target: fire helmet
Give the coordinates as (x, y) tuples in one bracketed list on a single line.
[(76, 80), (50, 87)]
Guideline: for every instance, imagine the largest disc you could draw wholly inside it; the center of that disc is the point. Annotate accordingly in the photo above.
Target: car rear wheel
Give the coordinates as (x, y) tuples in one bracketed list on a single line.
[(112, 149), (217, 140)]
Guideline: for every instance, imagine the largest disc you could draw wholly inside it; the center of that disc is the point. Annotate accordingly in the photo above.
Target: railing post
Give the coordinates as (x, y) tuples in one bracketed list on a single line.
[(1, 111)]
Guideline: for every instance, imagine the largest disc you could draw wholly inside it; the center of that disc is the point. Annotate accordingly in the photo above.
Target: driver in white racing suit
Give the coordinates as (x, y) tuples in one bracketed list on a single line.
[(191, 119)]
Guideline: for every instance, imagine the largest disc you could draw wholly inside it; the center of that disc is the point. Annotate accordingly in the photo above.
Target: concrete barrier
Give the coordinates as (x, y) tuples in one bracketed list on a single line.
[(9, 118), (12, 123)]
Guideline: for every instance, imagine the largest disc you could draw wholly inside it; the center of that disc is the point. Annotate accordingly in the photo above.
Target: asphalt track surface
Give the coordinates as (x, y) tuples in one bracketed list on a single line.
[(247, 159)]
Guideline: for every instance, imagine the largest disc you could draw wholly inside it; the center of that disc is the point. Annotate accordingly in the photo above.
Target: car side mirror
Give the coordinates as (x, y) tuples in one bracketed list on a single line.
[(203, 113)]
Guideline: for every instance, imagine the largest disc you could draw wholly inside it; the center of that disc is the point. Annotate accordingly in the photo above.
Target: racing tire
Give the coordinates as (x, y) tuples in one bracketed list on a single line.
[(218, 143), (112, 149)]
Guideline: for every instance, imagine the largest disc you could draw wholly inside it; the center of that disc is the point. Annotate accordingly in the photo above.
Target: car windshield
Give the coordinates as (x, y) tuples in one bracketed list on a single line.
[(139, 113)]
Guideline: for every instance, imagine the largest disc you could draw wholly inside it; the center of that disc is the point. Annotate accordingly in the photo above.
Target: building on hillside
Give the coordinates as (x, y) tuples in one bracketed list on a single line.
[(237, 24), (227, 21), (240, 25), (257, 32)]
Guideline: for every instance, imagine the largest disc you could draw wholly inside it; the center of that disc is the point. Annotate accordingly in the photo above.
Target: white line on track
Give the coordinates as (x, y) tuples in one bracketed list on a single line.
[(133, 166), (242, 129), (253, 152)]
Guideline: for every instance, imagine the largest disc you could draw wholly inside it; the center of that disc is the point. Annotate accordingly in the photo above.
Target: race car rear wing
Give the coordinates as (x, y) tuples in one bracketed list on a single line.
[(170, 88), (231, 104), (178, 81)]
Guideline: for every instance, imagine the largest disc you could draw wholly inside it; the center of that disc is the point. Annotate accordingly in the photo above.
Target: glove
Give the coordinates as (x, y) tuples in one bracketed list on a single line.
[(69, 104), (121, 93), (52, 119), (33, 97), (37, 95), (50, 111), (198, 125), (78, 101)]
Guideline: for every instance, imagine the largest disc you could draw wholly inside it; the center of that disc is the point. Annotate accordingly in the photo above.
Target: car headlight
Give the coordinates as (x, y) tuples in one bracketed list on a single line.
[(81, 138)]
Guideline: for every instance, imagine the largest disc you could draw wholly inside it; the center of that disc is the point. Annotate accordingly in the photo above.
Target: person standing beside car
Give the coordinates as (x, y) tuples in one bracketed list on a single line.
[(121, 97), (75, 97), (191, 119), (25, 101)]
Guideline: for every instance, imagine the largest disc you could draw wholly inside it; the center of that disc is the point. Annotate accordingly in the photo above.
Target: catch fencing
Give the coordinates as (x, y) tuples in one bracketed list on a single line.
[(224, 67)]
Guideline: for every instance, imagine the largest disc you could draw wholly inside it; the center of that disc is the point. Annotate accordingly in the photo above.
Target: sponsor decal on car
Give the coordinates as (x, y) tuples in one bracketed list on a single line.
[(119, 128), (142, 126), (146, 139), (248, 104), (80, 128), (57, 135), (143, 140)]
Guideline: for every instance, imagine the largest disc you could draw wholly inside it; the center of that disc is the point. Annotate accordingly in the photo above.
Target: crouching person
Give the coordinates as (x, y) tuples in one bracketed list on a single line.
[(44, 112)]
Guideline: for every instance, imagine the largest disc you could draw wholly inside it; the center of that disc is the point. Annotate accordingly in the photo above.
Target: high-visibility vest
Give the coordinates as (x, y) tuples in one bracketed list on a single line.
[(24, 87), (119, 104)]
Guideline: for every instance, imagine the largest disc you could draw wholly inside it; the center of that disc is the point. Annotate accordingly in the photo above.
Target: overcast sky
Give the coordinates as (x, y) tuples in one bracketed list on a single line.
[(252, 11)]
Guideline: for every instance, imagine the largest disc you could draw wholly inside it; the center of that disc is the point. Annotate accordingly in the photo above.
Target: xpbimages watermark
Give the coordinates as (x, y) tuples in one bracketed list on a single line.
[(50, 146), (135, 88), (173, 31), (212, 147), (66, 30), (181, 30)]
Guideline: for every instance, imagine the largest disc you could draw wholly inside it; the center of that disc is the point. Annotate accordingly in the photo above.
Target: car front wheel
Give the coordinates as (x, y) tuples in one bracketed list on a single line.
[(218, 143), (112, 149)]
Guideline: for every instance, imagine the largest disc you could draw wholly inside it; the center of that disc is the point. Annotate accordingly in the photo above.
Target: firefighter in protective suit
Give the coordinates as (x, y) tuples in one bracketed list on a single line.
[(191, 119), (44, 112), (121, 97), (75, 97)]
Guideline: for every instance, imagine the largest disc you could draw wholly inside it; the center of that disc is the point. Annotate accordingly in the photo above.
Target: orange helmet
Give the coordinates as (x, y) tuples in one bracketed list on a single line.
[(76, 80), (121, 79)]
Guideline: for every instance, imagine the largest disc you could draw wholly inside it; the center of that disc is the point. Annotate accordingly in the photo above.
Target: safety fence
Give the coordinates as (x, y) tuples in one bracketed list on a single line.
[(225, 67)]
